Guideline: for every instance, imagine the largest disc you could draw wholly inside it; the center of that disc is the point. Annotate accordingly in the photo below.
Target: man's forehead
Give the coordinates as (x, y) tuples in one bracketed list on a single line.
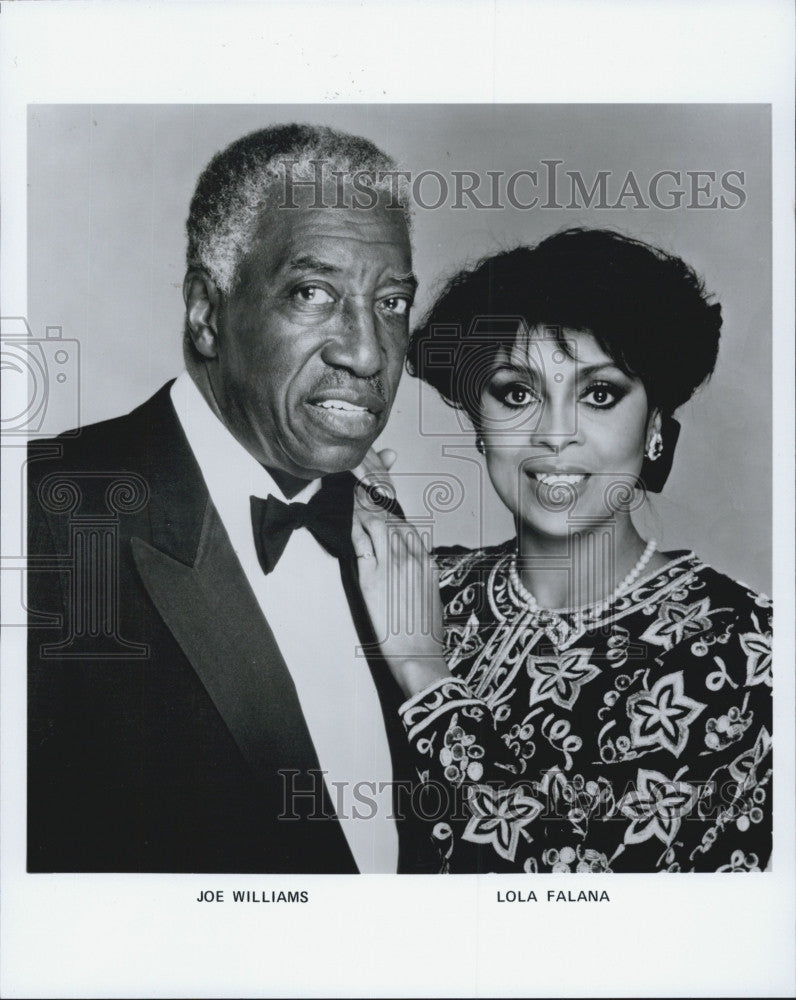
[(291, 230)]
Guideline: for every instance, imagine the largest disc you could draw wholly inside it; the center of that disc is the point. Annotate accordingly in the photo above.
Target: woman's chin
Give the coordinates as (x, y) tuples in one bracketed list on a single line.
[(561, 526)]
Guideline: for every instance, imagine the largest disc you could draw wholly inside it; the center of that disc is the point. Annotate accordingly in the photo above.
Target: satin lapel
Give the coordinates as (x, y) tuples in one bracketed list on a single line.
[(212, 612)]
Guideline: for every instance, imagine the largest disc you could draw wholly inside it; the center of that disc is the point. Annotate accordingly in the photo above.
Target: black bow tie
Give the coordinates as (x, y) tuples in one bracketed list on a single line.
[(327, 515)]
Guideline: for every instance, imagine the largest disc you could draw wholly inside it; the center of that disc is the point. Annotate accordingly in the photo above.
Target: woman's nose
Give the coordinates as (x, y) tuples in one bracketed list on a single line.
[(555, 423)]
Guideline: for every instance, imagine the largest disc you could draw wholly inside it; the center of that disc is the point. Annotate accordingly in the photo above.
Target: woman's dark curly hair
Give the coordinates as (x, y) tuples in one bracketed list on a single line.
[(647, 309)]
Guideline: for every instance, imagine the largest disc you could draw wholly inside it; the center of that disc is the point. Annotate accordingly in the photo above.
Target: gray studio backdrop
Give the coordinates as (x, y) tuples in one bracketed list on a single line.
[(109, 188)]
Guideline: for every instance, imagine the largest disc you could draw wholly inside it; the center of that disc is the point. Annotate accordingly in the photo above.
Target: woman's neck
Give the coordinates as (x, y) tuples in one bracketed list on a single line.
[(582, 569)]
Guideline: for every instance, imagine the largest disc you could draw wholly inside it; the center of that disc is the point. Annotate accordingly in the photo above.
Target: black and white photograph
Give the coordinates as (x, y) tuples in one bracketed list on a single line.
[(396, 487), (240, 682)]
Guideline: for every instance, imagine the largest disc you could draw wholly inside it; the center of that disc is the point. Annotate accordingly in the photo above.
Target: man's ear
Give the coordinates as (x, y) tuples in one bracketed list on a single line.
[(202, 302)]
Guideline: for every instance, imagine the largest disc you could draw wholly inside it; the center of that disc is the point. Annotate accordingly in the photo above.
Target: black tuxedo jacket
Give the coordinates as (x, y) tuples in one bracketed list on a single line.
[(165, 733)]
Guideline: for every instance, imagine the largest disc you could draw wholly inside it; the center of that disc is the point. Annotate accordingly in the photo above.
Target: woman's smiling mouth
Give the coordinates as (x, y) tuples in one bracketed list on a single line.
[(555, 478)]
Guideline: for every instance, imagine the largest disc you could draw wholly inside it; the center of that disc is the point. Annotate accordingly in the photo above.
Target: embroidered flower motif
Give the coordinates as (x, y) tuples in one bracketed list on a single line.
[(761, 600), (744, 767), (463, 641), (460, 754), (560, 678), (499, 816), (726, 729), (585, 859), (752, 813), (657, 807), (518, 740), (676, 622), (740, 862), (575, 798), (757, 646), (618, 645), (662, 716)]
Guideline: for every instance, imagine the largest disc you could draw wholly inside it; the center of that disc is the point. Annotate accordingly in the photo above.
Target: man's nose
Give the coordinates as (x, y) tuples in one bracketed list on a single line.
[(555, 423), (355, 344)]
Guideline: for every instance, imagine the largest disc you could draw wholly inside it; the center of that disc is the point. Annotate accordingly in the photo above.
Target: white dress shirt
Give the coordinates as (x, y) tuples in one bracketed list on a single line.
[(305, 605)]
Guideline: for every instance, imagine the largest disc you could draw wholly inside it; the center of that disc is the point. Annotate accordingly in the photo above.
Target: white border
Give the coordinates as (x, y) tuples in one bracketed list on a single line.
[(144, 935)]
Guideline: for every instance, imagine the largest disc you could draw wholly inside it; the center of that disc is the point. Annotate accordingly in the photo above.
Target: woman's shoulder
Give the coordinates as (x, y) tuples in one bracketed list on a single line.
[(723, 622), (485, 553), (692, 605), (727, 591), (457, 562)]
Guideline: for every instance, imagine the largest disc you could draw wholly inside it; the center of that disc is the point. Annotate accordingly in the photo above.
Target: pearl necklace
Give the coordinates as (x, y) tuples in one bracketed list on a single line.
[(552, 619)]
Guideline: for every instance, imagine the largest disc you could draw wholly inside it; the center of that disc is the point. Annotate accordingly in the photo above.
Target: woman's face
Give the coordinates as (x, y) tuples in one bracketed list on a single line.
[(564, 432)]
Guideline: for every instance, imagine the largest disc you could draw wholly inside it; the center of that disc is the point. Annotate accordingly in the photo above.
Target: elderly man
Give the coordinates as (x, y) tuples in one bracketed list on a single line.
[(198, 697)]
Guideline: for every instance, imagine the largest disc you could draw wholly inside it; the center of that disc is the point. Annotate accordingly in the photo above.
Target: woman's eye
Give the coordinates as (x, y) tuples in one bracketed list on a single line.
[(397, 305), (313, 295), (516, 395), (601, 395)]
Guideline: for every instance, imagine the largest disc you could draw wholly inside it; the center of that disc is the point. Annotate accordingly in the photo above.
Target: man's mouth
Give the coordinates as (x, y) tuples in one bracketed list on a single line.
[(349, 399), (347, 412), (341, 404)]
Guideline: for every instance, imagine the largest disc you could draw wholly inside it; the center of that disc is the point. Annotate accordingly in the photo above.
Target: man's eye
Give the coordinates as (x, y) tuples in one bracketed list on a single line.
[(312, 295), (602, 395), (397, 305)]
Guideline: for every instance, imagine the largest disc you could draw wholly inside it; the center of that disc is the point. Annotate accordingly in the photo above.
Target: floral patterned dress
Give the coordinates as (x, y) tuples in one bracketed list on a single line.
[(641, 744)]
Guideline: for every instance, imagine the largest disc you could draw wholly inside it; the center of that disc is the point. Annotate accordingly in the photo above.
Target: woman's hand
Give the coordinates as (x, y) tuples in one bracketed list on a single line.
[(399, 583)]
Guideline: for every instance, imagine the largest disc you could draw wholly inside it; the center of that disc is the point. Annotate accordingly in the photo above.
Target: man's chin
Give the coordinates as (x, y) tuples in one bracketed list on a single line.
[(331, 460)]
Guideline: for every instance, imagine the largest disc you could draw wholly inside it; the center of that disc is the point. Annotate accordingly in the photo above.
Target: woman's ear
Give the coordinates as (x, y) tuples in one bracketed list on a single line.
[(654, 426), (661, 439), (202, 300)]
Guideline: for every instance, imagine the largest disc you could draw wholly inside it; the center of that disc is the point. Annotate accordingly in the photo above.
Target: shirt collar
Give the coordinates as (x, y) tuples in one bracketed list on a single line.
[(228, 468)]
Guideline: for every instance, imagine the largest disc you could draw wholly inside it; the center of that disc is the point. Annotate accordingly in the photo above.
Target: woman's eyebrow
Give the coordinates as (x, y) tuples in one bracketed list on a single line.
[(536, 372), (588, 370), (515, 368)]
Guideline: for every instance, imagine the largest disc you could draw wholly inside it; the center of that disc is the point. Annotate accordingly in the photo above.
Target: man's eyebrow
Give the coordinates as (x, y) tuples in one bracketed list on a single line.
[(307, 262), (404, 279)]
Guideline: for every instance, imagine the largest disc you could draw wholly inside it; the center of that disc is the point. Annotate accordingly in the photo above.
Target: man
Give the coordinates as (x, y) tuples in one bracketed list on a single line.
[(196, 697)]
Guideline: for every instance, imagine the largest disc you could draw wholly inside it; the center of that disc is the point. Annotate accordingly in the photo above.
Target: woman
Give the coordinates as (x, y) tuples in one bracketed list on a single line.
[(598, 705)]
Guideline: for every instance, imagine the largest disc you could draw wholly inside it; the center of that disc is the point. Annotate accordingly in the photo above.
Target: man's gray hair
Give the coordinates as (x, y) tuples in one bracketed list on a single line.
[(252, 173)]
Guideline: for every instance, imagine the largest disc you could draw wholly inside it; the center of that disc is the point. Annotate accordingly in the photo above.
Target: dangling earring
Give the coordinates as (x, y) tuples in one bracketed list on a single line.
[(479, 443), (655, 446)]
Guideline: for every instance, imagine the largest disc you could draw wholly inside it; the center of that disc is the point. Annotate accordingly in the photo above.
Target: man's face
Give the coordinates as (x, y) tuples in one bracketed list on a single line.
[(311, 342)]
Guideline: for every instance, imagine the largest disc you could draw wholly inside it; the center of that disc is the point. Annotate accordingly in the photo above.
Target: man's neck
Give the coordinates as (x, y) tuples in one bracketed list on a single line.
[(289, 485)]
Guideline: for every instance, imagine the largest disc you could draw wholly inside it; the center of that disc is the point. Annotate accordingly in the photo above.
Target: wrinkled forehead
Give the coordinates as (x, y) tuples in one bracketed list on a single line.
[(374, 235)]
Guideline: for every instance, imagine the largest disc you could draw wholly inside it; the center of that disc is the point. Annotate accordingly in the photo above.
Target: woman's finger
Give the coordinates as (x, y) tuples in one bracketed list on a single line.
[(373, 472), (373, 462), (373, 524), (360, 539), (387, 457)]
